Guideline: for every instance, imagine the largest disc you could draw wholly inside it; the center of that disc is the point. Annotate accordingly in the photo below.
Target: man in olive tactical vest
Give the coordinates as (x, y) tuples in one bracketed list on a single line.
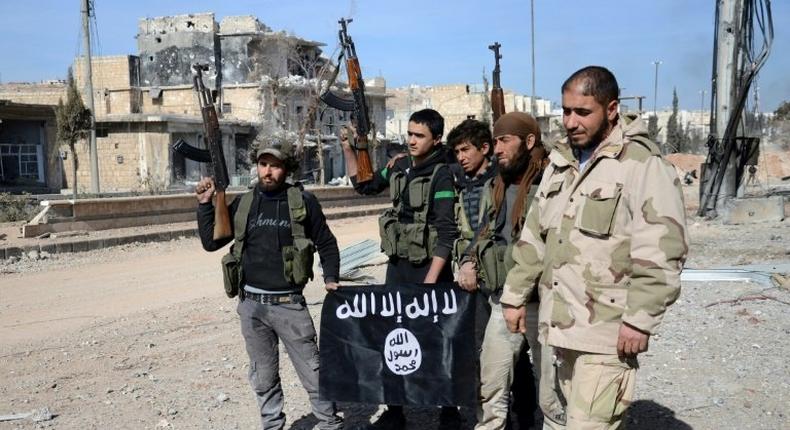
[(506, 198), (604, 243), (418, 232), (276, 229)]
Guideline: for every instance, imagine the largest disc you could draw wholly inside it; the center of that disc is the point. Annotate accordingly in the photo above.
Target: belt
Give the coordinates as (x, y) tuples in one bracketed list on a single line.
[(274, 299)]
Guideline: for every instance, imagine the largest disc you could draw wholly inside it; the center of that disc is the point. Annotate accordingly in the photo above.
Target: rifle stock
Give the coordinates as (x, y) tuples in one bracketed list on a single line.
[(221, 217), (497, 103), (364, 166)]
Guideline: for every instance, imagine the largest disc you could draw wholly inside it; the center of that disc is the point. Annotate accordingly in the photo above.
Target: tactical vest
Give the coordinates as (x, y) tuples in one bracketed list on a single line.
[(416, 240), (466, 233), (297, 258), (495, 259)]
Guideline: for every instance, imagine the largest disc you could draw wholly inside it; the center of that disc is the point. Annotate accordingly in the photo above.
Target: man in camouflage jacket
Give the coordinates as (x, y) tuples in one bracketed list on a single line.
[(604, 243)]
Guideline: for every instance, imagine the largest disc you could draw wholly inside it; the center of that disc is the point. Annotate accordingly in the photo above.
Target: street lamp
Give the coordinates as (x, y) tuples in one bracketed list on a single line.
[(655, 87)]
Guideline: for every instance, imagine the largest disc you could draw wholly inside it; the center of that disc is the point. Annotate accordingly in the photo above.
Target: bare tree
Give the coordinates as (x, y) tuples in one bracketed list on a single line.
[(73, 123)]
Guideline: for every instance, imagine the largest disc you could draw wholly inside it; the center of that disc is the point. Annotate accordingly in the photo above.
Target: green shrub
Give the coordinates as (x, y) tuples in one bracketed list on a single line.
[(17, 207)]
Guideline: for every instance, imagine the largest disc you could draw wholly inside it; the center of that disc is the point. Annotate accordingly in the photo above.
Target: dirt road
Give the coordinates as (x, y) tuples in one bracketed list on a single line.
[(143, 337)]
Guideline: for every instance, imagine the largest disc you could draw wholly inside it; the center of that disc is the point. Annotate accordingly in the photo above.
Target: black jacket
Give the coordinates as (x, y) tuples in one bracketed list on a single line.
[(441, 213), (268, 230)]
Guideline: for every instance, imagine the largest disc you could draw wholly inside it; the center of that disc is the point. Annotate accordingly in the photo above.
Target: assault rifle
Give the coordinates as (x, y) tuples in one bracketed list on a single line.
[(214, 155), (497, 96), (358, 104)]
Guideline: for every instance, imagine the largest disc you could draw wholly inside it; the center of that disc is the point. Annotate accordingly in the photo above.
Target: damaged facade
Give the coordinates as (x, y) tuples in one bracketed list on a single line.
[(262, 82)]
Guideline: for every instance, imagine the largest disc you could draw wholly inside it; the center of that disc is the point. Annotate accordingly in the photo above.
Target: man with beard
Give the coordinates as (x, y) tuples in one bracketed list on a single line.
[(423, 197), (604, 241), (277, 227), (504, 363)]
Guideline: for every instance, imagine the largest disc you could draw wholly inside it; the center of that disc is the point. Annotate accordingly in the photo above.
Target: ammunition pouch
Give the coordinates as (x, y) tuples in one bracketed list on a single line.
[(413, 241), (491, 264), (231, 273), (298, 261)]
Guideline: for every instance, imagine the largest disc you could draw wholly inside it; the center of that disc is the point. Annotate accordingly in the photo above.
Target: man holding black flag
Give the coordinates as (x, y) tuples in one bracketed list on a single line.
[(418, 232), (276, 227)]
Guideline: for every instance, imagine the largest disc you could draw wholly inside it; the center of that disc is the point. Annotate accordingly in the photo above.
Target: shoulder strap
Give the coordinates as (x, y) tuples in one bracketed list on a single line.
[(297, 212), (240, 221)]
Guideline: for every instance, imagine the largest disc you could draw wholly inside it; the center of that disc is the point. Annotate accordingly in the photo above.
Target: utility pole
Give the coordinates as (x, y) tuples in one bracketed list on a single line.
[(702, 108), (655, 87), (727, 53), (533, 105), (88, 76)]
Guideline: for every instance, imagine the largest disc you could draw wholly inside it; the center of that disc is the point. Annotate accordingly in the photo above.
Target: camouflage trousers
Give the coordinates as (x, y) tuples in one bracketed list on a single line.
[(598, 389), (500, 353)]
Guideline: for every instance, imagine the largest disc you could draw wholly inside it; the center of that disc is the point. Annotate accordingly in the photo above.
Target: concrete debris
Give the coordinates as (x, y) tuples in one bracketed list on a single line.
[(36, 415)]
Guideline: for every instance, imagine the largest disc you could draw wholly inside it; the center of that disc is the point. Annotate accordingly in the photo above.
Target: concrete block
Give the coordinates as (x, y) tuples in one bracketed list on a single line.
[(80, 246), (13, 252), (63, 247), (111, 241), (754, 210), (49, 247)]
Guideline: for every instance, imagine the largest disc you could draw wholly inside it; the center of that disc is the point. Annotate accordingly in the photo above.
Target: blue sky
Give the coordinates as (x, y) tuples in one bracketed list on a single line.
[(434, 42)]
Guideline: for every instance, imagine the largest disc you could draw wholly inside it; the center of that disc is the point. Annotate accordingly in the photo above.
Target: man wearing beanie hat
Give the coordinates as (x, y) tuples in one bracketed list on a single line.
[(604, 242), (276, 229), (520, 157)]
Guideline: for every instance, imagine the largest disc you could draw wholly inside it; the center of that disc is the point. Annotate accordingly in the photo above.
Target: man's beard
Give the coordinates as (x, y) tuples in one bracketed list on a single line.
[(273, 186), (517, 168), (596, 139)]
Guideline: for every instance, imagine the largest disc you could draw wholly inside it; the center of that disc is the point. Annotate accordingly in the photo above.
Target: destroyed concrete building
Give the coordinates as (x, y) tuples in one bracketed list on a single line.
[(262, 82)]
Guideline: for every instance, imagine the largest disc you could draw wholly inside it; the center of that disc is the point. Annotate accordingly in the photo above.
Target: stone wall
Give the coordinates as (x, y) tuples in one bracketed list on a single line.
[(134, 157), (37, 94)]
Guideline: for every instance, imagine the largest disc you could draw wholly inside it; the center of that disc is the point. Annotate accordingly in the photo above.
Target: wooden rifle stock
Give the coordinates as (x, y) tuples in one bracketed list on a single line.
[(221, 217), (497, 103), (364, 167)]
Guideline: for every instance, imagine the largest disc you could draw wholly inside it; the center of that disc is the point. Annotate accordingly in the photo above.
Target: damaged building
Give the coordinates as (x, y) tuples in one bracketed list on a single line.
[(262, 82)]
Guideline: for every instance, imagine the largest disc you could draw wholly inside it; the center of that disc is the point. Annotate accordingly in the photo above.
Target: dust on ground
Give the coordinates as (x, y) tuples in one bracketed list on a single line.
[(143, 337)]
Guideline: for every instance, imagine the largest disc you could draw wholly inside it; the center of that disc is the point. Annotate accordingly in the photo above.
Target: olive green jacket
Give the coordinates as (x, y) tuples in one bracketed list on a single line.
[(603, 246)]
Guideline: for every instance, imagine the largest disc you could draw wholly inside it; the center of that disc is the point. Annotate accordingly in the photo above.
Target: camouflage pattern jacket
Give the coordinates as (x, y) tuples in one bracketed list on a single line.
[(603, 246)]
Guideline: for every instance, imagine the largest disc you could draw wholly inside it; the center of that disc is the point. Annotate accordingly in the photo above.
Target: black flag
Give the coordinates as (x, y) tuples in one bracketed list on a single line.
[(406, 344)]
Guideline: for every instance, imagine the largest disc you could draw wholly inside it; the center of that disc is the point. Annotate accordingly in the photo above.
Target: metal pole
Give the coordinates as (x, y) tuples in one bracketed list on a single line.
[(702, 109), (88, 76), (533, 105), (655, 88)]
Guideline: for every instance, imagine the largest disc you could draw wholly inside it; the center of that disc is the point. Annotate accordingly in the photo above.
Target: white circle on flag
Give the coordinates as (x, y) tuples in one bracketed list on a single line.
[(402, 352)]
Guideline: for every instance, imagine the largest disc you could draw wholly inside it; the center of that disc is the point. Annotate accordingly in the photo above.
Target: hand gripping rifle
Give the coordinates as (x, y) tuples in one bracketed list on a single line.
[(213, 155), (358, 105), (497, 96)]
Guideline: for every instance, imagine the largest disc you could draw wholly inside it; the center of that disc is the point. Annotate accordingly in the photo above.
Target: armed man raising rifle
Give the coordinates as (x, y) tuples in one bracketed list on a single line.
[(276, 229), (418, 232)]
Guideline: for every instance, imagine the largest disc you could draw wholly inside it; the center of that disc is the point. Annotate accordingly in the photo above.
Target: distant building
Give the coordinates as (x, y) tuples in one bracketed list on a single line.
[(455, 102), (262, 81)]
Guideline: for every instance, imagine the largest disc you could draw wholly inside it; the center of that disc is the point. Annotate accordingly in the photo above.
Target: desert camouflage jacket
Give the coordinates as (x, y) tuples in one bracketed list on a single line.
[(603, 246)]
